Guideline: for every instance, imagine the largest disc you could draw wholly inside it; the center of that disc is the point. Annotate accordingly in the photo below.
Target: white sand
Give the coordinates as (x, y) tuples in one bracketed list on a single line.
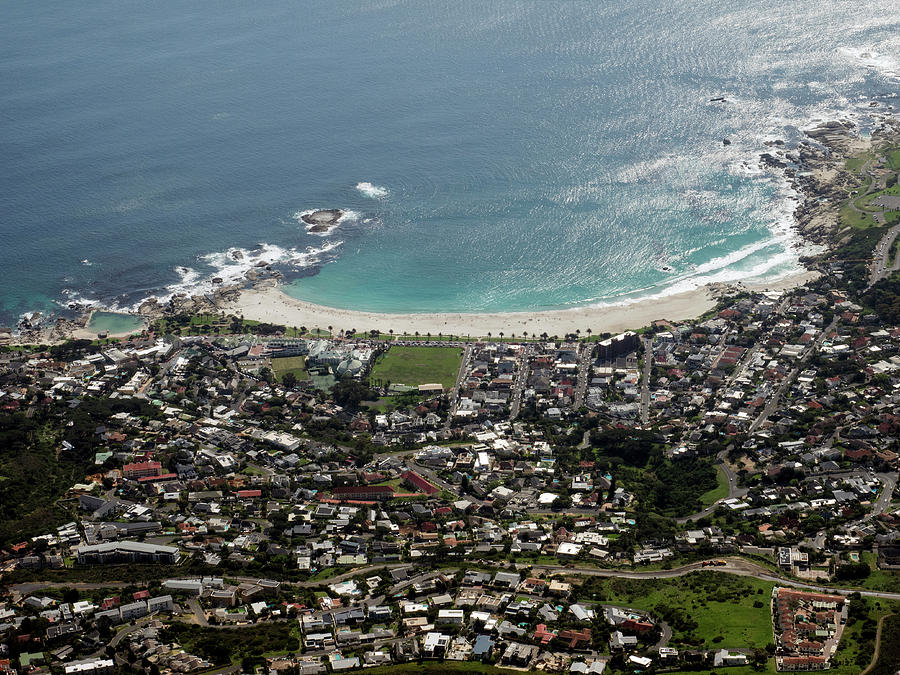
[(273, 306)]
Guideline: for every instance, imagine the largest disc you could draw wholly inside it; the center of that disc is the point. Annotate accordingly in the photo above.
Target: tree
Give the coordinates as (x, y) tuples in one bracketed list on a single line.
[(289, 380)]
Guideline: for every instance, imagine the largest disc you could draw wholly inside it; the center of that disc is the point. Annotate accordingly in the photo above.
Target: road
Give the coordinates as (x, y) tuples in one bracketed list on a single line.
[(454, 393), (887, 494), (736, 566), (881, 266), (199, 614), (518, 389), (734, 492), (790, 377), (645, 380), (586, 350)]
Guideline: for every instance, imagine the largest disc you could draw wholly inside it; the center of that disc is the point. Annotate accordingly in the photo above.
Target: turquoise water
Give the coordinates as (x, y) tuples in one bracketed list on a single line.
[(507, 155), (115, 323)]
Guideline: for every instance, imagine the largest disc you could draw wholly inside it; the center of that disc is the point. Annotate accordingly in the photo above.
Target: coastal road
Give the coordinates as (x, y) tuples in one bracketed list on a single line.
[(645, 380), (881, 266)]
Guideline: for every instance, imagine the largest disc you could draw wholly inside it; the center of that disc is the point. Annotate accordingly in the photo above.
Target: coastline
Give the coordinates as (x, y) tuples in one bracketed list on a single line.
[(815, 170), (271, 305)]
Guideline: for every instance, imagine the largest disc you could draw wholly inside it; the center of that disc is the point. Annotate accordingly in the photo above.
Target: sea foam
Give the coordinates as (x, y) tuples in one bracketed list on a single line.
[(372, 191)]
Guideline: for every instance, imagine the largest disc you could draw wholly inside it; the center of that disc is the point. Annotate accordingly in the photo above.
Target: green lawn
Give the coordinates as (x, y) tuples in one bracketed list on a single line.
[(721, 605), (893, 158), (855, 219), (717, 493), (290, 364), (854, 164), (418, 365)]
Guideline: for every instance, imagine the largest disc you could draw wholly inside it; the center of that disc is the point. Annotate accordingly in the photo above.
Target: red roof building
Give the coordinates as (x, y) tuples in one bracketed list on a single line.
[(141, 469), (363, 492), (420, 483)]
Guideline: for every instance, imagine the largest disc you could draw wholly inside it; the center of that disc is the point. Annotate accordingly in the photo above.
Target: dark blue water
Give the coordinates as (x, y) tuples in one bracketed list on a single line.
[(521, 155)]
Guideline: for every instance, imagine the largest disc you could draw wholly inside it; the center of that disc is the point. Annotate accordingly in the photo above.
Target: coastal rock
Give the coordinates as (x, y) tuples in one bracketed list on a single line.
[(772, 161), (322, 220), (148, 307)]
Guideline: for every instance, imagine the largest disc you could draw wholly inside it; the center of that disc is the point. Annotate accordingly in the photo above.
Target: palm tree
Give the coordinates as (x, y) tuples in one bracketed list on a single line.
[(501, 335), (589, 331)]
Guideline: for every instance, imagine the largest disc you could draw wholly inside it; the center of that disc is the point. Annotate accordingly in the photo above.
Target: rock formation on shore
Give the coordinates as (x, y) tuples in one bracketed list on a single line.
[(817, 171)]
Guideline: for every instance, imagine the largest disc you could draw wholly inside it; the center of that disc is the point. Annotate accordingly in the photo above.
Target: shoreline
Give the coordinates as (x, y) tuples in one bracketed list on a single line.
[(271, 305), (814, 169)]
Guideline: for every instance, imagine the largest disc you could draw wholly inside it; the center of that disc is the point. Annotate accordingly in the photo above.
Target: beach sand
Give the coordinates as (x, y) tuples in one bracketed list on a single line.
[(271, 305)]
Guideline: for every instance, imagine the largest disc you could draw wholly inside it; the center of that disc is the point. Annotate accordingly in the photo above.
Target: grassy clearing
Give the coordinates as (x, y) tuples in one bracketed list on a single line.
[(855, 219), (893, 158), (708, 609), (717, 493), (418, 365), (290, 364), (854, 164), (878, 580)]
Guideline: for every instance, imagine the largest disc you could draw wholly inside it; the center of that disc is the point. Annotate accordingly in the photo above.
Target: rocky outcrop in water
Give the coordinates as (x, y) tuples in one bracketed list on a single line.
[(323, 220)]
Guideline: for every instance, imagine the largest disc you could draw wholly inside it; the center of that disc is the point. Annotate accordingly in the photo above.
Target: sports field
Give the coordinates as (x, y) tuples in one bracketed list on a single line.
[(417, 365), (290, 364)]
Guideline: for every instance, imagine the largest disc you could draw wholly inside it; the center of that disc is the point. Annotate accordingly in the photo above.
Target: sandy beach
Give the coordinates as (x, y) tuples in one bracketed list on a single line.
[(271, 305)]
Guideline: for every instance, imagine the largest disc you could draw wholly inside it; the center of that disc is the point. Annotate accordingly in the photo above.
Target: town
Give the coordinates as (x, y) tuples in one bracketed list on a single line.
[(219, 495)]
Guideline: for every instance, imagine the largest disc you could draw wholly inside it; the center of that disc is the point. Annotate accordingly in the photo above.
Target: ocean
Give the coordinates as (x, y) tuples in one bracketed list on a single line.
[(487, 156)]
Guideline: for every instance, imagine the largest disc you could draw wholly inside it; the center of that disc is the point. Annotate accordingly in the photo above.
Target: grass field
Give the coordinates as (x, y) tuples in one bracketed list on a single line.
[(855, 219), (290, 364), (893, 158), (854, 164), (418, 365), (729, 611), (719, 492)]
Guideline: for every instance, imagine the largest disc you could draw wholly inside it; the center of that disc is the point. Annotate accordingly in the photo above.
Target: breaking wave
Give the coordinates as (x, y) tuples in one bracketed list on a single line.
[(372, 191)]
